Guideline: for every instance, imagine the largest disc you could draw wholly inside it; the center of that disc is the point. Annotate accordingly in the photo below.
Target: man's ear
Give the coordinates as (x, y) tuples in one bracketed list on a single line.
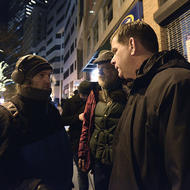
[(132, 45)]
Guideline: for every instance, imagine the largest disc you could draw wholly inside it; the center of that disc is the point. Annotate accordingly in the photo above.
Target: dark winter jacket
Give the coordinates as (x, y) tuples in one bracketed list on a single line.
[(151, 146), (89, 125), (71, 109), (34, 146)]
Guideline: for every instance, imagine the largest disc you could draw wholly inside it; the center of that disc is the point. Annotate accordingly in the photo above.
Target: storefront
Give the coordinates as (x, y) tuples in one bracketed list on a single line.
[(174, 15)]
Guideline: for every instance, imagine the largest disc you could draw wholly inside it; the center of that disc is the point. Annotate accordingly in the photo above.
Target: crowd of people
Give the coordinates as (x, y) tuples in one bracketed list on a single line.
[(130, 129)]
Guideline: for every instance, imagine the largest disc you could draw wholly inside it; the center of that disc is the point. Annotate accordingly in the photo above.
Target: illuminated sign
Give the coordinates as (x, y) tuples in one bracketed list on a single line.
[(128, 18), (134, 14)]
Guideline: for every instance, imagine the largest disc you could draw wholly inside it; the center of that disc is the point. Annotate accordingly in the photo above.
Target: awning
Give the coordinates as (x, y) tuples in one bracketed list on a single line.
[(90, 65)]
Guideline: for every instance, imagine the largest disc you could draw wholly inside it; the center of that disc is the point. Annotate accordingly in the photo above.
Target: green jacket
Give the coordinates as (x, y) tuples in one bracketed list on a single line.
[(106, 117)]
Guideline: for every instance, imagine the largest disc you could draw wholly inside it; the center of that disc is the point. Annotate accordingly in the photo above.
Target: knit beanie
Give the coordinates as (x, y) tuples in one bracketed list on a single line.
[(28, 66), (85, 87)]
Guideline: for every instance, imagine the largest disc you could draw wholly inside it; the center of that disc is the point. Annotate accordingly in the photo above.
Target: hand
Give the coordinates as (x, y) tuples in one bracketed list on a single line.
[(81, 164), (81, 116)]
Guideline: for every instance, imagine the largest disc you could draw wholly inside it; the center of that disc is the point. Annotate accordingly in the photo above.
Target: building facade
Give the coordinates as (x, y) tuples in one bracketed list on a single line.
[(169, 19), (70, 34), (19, 12), (49, 29), (174, 17)]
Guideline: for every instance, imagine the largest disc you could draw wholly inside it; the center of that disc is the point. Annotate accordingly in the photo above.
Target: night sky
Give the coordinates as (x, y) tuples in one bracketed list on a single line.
[(3, 11)]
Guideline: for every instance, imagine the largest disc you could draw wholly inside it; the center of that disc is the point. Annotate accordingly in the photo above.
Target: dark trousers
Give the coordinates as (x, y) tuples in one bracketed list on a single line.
[(101, 176), (82, 176)]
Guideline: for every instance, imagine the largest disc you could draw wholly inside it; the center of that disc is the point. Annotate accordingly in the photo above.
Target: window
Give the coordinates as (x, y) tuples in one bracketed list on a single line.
[(72, 48), (76, 21), (49, 41), (68, 22), (71, 68), (66, 74), (178, 33), (56, 47), (75, 65), (72, 28), (60, 20), (57, 83), (88, 46), (96, 33), (75, 42), (54, 59), (67, 40), (49, 31), (68, 6), (108, 13), (56, 71), (66, 56), (58, 35), (72, 10), (43, 48)]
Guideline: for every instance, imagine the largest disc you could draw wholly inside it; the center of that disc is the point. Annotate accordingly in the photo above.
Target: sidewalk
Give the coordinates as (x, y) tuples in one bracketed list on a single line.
[(75, 180)]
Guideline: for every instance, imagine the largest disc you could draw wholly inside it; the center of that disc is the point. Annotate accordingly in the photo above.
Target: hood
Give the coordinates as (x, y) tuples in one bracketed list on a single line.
[(159, 62)]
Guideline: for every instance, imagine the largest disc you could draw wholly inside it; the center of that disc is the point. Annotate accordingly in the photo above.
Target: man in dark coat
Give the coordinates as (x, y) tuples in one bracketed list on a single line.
[(34, 149), (103, 109), (151, 146)]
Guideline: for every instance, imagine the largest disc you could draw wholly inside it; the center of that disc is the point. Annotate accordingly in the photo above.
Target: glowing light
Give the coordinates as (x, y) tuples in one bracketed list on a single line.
[(34, 2), (94, 75), (29, 10), (28, 13), (1, 100), (91, 12)]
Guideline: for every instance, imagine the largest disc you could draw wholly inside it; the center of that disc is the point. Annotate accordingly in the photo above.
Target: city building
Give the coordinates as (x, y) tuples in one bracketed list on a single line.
[(71, 67), (49, 29), (70, 34), (19, 11), (169, 18), (34, 29), (61, 38)]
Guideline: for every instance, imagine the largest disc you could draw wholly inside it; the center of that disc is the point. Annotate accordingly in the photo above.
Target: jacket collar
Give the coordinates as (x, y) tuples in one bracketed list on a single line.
[(158, 62)]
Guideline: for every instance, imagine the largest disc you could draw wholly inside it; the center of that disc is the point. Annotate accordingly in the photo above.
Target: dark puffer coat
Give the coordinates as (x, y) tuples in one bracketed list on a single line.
[(118, 97), (34, 147), (151, 146)]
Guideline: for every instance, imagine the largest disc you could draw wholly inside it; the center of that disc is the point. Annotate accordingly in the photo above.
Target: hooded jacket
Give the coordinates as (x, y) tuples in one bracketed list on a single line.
[(151, 145)]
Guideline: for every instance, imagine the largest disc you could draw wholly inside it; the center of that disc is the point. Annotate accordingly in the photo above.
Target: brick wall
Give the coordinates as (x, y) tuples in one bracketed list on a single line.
[(149, 8)]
